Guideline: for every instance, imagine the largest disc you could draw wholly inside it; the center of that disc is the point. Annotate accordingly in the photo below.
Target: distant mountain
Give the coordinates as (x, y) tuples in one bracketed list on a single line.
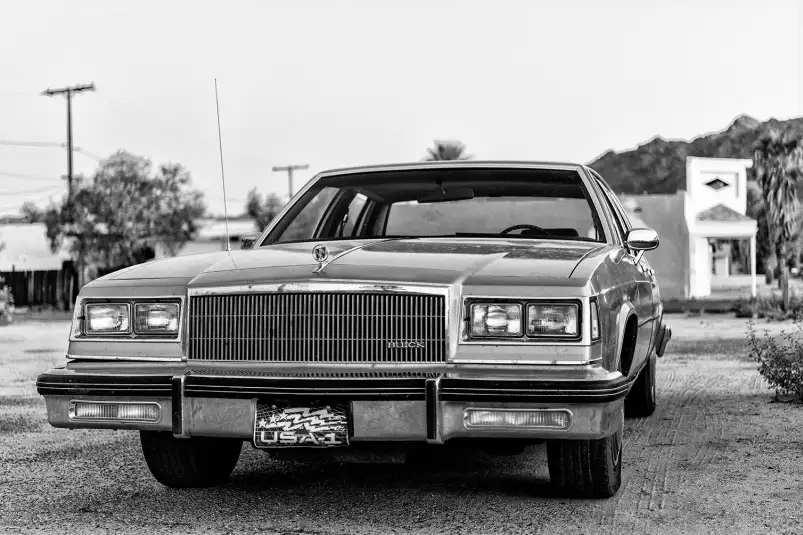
[(659, 166)]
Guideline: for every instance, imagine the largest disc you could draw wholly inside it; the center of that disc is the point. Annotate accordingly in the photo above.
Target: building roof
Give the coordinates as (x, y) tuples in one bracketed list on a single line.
[(721, 212), (215, 229), (25, 247)]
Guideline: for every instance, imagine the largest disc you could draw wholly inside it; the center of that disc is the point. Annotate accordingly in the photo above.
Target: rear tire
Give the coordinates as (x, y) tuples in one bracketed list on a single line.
[(586, 468), (189, 462), (641, 400)]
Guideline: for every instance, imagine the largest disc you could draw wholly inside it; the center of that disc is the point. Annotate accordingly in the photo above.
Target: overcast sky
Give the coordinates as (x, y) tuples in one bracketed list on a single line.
[(336, 83)]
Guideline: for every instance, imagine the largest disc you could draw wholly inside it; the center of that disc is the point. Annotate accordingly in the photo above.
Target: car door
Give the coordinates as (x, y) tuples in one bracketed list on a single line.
[(642, 297)]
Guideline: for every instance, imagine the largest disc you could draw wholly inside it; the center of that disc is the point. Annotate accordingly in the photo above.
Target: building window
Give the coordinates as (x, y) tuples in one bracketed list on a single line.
[(717, 184)]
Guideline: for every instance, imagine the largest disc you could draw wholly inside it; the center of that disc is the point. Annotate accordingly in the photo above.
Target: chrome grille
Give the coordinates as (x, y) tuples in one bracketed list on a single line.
[(318, 327)]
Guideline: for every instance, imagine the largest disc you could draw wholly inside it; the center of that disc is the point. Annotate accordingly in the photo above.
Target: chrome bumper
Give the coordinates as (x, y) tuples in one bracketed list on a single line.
[(427, 409)]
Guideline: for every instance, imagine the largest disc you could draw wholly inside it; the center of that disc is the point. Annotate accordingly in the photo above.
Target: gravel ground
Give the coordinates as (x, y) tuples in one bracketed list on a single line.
[(717, 457)]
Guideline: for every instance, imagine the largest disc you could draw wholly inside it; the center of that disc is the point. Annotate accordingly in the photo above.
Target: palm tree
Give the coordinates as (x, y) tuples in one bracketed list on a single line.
[(778, 164), (447, 150)]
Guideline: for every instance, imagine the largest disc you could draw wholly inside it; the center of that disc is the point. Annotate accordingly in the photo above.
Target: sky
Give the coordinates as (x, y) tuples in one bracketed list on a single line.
[(340, 83)]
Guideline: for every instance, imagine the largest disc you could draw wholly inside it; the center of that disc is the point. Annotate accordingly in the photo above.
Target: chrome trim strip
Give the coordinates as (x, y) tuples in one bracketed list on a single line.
[(528, 362), (115, 357), (335, 367), (311, 287), (180, 417), (434, 411)]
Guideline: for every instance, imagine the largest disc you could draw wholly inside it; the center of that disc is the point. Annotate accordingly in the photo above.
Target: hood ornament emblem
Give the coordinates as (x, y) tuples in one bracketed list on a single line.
[(320, 253)]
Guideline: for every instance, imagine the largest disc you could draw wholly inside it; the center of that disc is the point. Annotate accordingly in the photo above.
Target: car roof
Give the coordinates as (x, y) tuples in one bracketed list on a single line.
[(452, 164)]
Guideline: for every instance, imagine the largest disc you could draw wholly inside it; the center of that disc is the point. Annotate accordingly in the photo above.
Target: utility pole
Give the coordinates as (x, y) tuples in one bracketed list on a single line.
[(289, 169), (68, 92)]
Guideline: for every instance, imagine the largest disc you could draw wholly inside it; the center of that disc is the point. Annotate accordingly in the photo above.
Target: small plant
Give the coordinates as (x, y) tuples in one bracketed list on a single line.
[(780, 359)]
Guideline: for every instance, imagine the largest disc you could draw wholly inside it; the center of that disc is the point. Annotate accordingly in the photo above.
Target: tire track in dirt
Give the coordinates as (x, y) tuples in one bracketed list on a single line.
[(646, 473), (680, 437)]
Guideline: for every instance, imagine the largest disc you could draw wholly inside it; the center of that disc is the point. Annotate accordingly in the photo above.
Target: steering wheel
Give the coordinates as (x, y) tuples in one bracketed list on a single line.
[(508, 230)]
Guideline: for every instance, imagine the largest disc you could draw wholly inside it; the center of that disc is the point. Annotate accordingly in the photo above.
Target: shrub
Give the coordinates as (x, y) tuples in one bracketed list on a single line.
[(780, 359), (769, 307)]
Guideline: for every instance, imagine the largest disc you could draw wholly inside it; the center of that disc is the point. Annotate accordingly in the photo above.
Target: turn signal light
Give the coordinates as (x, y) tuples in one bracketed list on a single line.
[(123, 412), (517, 418)]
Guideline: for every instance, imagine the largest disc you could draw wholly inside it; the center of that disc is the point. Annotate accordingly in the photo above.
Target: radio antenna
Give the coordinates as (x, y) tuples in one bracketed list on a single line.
[(222, 173)]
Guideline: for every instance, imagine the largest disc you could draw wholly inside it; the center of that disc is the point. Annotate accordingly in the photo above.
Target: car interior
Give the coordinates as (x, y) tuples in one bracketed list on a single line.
[(514, 203)]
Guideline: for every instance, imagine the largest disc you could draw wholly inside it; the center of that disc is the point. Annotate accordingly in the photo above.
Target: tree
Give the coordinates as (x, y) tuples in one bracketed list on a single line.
[(31, 213), (778, 164), (447, 150), (263, 210), (118, 219)]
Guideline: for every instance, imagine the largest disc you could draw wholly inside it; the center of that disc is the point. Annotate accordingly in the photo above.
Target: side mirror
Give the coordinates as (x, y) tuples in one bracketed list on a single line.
[(248, 241), (642, 239)]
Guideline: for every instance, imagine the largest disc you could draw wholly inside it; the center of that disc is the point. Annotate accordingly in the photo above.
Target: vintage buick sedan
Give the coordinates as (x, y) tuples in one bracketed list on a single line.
[(416, 307)]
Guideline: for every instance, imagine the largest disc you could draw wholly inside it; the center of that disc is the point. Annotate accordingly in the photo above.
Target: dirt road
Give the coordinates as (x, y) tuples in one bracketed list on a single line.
[(717, 457)]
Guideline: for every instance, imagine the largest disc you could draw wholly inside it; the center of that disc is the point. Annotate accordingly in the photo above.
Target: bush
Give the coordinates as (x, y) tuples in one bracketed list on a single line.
[(780, 359), (769, 307)]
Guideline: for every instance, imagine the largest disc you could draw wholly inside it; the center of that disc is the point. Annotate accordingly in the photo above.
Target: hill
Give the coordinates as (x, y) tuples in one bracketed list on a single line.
[(659, 166)]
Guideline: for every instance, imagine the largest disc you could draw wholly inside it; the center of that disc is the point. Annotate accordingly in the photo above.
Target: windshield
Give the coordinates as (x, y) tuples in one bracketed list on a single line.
[(514, 203)]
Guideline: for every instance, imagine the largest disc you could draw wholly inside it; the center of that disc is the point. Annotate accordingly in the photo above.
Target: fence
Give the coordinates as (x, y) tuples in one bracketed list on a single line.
[(55, 288)]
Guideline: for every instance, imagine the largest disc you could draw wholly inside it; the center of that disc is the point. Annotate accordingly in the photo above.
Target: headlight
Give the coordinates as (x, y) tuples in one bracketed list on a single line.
[(496, 320), (553, 320), (156, 318), (107, 319)]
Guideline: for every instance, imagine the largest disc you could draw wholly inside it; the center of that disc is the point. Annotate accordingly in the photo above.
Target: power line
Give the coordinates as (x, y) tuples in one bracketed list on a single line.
[(23, 176), (49, 144), (88, 154), (29, 191), (31, 143)]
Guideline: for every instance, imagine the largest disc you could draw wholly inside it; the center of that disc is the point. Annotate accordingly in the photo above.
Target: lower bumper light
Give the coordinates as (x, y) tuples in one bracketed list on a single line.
[(122, 412), (517, 418)]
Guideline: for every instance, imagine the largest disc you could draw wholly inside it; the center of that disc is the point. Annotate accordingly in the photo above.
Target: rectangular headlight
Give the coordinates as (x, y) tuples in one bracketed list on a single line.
[(496, 319), (156, 318), (553, 320), (106, 318)]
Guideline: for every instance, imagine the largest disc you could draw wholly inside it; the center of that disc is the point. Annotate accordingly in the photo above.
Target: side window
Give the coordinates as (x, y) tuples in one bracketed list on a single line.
[(348, 226), (303, 226)]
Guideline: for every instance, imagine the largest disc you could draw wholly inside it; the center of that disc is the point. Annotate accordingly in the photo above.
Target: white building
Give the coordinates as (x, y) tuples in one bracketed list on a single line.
[(698, 227)]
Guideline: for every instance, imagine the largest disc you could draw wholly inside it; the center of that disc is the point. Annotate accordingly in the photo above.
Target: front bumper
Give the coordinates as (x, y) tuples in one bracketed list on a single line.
[(427, 407)]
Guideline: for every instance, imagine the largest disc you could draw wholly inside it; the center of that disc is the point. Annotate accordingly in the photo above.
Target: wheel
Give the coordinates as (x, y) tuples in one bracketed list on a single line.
[(641, 400), (189, 462), (586, 468)]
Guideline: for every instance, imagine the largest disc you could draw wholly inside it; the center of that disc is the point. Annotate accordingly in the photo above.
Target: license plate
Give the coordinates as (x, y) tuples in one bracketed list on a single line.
[(317, 426)]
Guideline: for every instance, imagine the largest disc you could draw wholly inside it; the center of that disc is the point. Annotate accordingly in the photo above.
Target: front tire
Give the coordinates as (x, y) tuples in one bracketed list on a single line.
[(641, 401), (586, 468), (189, 462)]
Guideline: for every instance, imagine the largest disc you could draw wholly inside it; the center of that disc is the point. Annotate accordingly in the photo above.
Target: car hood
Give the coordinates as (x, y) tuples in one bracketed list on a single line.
[(422, 260)]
